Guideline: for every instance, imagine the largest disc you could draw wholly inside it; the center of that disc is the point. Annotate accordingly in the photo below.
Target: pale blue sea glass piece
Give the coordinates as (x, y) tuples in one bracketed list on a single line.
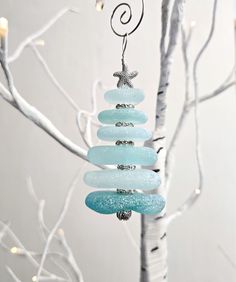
[(108, 202), (124, 95), (143, 179), (113, 133), (122, 115), (125, 155)]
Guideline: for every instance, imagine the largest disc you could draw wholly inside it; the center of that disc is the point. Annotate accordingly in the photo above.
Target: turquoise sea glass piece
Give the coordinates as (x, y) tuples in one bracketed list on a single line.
[(143, 179), (124, 95), (122, 115), (113, 133), (108, 202), (125, 155)]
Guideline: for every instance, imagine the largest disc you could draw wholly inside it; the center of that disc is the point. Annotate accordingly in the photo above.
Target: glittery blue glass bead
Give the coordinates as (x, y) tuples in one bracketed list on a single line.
[(108, 202), (124, 95), (122, 155), (122, 115), (142, 179), (113, 133)]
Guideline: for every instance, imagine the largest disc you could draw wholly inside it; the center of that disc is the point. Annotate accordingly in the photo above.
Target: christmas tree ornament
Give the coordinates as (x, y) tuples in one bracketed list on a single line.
[(120, 127)]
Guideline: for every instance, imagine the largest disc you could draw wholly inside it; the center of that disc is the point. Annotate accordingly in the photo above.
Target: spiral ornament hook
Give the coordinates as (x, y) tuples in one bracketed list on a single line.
[(125, 12)]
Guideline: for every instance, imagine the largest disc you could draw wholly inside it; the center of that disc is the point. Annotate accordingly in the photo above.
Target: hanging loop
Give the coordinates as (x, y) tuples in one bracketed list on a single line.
[(125, 18)]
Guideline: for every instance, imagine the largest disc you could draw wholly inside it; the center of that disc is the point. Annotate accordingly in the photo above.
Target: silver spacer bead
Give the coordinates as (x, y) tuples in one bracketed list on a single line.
[(124, 106), (124, 142), (124, 215), (123, 191), (126, 167), (120, 123)]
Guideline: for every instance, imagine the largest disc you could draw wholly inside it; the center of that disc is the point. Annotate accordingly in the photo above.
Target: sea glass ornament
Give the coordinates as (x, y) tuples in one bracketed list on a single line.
[(128, 183), (126, 178)]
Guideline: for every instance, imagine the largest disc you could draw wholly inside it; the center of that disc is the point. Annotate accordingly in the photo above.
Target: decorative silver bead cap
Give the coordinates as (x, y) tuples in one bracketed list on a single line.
[(124, 215)]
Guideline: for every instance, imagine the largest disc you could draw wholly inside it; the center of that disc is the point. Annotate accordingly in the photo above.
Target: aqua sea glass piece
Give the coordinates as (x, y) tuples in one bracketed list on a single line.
[(108, 202), (143, 179), (125, 155), (113, 133), (124, 95), (122, 115)]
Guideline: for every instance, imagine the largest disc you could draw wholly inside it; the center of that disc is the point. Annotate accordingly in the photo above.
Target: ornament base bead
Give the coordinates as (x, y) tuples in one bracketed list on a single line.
[(109, 202)]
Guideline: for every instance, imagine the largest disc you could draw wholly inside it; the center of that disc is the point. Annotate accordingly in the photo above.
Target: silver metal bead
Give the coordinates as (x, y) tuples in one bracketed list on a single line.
[(120, 123), (123, 191), (124, 215), (124, 142), (124, 106), (126, 167)]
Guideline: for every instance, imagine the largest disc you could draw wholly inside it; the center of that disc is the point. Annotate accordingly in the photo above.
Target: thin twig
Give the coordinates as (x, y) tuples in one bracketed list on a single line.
[(19, 244), (168, 162), (37, 117), (39, 33), (52, 77), (191, 200), (12, 274), (57, 224), (227, 256), (86, 130)]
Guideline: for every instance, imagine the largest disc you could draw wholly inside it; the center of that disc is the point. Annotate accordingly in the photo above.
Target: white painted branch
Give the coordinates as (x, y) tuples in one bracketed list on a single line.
[(192, 199), (86, 134), (12, 274), (6, 95), (168, 162), (227, 257), (85, 119), (39, 33), (214, 94), (52, 77), (37, 117), (166, 59), (165, 7), (20, 245), (153, 237), (57, 225)]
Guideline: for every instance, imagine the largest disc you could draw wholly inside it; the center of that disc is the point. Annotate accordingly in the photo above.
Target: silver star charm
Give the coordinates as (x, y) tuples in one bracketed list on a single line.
[(125, 76)]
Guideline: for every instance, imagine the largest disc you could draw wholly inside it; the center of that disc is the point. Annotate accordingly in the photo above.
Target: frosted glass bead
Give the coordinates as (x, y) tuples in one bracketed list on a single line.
[(143, 179), (113, 133), (122, 115), (124, 95), (122, 155), (108, 202)]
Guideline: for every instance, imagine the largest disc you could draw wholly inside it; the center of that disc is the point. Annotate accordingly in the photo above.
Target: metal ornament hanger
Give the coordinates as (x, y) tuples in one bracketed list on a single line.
[(123, 181)]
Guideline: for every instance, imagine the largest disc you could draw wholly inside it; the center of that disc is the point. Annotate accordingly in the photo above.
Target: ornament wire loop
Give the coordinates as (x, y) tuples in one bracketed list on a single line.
[(124, 19)]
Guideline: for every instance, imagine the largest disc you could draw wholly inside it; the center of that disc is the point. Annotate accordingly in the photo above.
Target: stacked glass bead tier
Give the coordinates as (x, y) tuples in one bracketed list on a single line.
[(126, 178)]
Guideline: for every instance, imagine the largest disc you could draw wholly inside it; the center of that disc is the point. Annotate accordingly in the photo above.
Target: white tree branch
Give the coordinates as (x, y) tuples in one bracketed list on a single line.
[(166, 58), (19, 244), (31, 38), (168, 162), (191, 200), (12, 274), (56, 83), (57, 225), (227, 257), (36, 116)]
